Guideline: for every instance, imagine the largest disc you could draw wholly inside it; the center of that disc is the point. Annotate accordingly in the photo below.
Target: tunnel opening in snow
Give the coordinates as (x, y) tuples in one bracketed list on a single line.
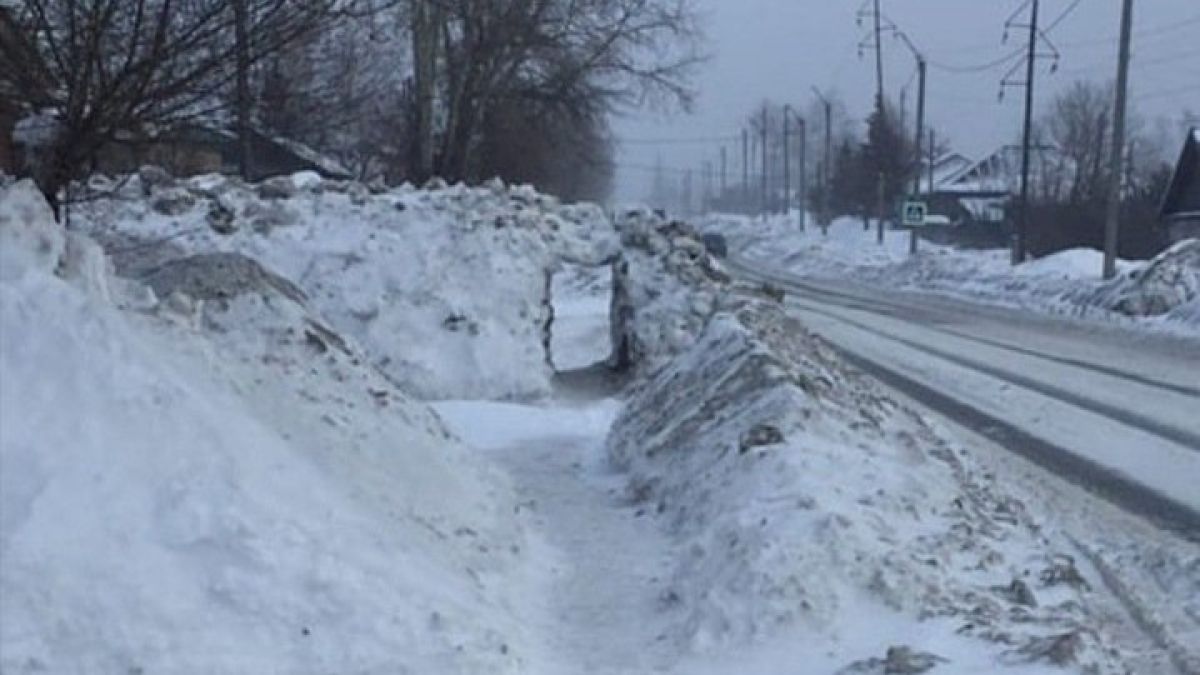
[(578, 332)]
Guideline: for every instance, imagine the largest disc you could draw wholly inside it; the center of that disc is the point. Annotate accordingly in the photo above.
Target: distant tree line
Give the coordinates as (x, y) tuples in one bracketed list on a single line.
[(394, 89), (1069, 182)]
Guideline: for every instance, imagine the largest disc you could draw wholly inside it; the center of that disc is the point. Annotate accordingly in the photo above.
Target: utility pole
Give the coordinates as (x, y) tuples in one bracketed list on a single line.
[(913, 235), (746, 170), (879, 106), (826, 165), (931, 159), (802, 199), (1113, 223), (878, 59), (765, 192), (724, 161), (1022, 241), (920, 122), (879, 223), (687, 193), (787, 163)]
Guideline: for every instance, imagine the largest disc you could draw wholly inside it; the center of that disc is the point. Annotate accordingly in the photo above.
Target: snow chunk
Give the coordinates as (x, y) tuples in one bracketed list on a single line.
[(29, 237), (1169, 282), (37, 130)]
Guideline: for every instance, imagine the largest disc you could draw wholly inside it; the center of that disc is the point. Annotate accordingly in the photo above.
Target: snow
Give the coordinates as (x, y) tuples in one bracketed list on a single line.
[(804, 501), (1068, 282), (36, 130), (400, 271), (213, 493), (581, 333), (221, 461)]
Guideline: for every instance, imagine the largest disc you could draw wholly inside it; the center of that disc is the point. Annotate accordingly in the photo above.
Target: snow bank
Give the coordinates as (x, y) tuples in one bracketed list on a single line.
[(807, 505), (1168, 286), (1067, 282), (222, 484), (665, 289), (447, 288)]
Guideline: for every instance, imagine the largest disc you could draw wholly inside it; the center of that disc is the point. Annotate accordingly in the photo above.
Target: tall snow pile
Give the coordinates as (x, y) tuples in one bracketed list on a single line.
[(1167, 286), (800, 496), (214, 481), (447, 289), (665, 288)]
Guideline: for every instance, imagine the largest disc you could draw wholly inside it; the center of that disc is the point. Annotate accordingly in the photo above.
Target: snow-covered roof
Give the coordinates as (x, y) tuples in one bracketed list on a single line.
[(945, 169), (327, 165)]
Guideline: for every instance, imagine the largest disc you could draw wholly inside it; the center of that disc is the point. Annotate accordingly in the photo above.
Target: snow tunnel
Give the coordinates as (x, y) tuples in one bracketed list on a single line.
[(578, 330)]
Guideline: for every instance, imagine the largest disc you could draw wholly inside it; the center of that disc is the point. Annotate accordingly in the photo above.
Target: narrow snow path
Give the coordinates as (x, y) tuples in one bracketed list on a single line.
[(608, 557)]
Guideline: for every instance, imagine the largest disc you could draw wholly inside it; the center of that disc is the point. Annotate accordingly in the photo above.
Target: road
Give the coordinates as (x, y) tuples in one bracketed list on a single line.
[(1111, 409)]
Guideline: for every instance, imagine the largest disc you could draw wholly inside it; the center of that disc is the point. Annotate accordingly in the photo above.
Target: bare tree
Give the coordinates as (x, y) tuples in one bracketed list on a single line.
[(101, 68), (569, 58)]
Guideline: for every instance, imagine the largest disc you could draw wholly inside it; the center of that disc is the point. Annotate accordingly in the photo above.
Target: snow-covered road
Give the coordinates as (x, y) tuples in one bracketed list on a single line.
[(1113, 410)]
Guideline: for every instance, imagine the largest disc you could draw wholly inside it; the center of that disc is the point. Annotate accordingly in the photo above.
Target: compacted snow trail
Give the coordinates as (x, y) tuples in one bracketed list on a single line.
[(1107, 408), (606, 557)]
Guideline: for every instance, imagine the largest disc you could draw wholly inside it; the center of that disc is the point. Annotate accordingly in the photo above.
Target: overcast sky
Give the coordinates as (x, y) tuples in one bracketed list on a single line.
[(779, 49)]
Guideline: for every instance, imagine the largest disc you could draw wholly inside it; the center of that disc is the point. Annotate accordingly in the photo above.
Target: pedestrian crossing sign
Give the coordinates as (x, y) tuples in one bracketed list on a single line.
[(914, 213)]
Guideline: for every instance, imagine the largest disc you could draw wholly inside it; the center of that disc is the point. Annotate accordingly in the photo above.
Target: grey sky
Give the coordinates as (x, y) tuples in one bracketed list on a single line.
[(778, 49)]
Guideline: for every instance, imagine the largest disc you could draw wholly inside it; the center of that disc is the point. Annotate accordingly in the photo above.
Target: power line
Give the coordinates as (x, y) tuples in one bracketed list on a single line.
[(1061, 17), (1189, 54), (1167, 92), (1141, 34), (978, 68), (1011, 56), (699, 140)]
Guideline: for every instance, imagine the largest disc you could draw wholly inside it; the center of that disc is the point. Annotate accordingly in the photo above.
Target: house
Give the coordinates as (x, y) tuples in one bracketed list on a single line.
[(1180, 210), (191, 149)]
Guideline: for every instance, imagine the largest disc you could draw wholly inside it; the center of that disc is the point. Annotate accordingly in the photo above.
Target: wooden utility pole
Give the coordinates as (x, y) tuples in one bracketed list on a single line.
[(878, 58), (879, 106), (802, 198), (931, 159), (687, 193), (765, 189), (724, 164), (241, 29), (826, 165), (879, 223), (1115, 172), (1021, 243), (787, 162), (920, 122), (745, 170)]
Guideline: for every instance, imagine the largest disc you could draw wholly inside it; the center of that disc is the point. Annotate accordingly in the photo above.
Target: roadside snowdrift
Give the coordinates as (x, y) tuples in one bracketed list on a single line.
[(447, 289), (1160, 293), (1168, 286), (219, 483), (814, 510)]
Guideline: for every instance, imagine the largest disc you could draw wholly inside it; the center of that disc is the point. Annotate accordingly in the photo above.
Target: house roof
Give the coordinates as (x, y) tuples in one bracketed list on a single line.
[(945, 169), (1183, 192), (1000, 171)]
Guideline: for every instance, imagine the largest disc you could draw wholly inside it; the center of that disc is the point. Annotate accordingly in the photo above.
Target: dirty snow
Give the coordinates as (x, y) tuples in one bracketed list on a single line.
[(400, 271), (1064, 283), (242, 458)]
